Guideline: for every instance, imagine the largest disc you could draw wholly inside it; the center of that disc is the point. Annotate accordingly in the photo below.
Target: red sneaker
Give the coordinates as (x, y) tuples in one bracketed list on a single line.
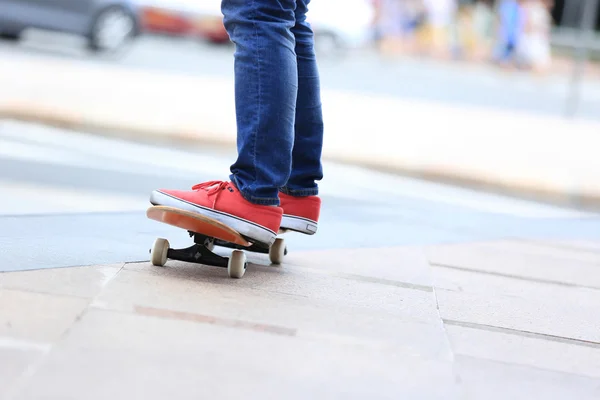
[(300, 214), (223, 202)]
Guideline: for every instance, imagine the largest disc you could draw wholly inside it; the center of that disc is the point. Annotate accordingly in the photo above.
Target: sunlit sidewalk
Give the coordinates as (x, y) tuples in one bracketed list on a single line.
[(498, 320)]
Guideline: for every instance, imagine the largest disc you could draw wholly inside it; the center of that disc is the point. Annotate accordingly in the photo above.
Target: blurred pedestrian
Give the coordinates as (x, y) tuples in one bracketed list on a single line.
[(396, 24), (273, 182), (534, 47), (483, 21), (464, 33), (472, 29), (439, 18), (509, 31), (389, 25)]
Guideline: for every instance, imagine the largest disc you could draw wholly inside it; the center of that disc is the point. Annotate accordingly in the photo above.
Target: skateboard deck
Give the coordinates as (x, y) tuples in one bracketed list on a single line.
[(208, 232), (196, 223)]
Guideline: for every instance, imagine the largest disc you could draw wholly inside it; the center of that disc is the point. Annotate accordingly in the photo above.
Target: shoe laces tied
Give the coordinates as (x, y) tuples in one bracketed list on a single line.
[(212, 188)]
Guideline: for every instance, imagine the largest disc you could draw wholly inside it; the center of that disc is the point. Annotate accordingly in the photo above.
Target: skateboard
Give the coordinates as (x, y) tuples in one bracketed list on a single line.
[(208, 233)]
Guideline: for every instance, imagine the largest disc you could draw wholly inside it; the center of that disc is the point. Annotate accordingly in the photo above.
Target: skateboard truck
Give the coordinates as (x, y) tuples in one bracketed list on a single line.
[(254, 248), (213, 233), (200, 253)]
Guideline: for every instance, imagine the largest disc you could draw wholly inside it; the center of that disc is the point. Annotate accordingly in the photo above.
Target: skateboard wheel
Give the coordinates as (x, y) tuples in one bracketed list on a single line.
[(277, 251), (236, 267), (158, 255)]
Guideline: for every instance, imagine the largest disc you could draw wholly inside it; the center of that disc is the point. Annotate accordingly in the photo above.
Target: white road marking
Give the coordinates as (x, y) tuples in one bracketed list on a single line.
[(39, 143), (85, 150), (20, 198)]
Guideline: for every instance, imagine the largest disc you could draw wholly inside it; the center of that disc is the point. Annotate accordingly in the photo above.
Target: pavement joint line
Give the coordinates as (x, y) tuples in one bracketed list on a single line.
[(47, 293), (367, 279), (523, 333), (455, 370), (511, 276), (387, 282), (509, 364), (25, 376), (35, 366)]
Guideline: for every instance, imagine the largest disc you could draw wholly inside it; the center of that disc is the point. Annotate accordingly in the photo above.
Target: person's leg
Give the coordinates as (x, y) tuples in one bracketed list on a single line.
[(299, 200), (265, 96), (266, 84), (308, 138)]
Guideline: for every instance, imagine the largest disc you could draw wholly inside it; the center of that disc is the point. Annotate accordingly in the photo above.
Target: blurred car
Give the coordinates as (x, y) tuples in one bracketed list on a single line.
[(334, 30), (337, 30), (107, 24), (165, 22), (164, 17), (191, 18)]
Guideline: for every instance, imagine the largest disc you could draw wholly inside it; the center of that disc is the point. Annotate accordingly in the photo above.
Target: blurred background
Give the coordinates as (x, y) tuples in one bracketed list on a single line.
[(536, 37), (168, 64)]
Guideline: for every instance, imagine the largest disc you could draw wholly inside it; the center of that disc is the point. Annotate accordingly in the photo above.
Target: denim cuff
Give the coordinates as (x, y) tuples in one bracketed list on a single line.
[(299, 192), (263, 201)]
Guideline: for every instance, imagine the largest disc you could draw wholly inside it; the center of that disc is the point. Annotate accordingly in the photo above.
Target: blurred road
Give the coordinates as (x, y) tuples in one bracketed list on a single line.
[(75, 199), (362, 71)]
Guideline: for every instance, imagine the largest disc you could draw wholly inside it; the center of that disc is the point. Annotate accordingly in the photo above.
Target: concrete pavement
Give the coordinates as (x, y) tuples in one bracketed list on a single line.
[(514, 152), (465, 321)]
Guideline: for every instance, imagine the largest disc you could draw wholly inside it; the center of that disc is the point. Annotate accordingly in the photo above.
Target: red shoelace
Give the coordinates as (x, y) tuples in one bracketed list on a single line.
[(212, 187)]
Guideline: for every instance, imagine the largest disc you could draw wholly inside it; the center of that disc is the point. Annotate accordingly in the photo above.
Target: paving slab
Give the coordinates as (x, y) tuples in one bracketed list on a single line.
[(406, 265), (14, 363), (310, 284), (114, 354), (37, 316), (362, 323), (83, 282), (490, 380), (477, 283), (521, 260), (555, 316), (526, 350), (304, 303), (477, 290)]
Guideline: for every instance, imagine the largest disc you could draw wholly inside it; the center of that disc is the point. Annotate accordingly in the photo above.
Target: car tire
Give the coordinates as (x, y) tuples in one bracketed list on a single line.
[(112, 29), (12, 36)]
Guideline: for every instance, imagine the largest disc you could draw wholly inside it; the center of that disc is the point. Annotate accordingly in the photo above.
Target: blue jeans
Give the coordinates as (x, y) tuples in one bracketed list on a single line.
[(277, 99)]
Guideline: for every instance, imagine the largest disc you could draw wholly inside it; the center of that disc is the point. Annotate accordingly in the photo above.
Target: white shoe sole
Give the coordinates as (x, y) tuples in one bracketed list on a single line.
[(246, 228), (299, 224)]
